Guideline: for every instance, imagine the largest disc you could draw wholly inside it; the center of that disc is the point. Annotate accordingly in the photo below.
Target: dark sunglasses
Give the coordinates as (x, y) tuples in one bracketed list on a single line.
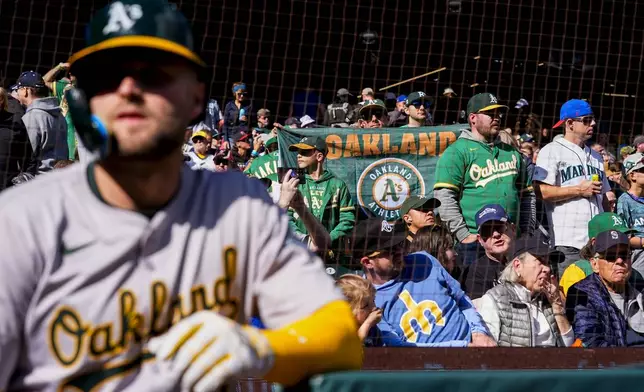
[(487, 230), (612, 255), (586, 120), (417, 104), (367, 115), (306, 153), (147, 77)]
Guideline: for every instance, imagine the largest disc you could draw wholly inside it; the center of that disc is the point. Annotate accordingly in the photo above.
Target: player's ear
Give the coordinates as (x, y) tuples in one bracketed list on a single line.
[(407, 218)]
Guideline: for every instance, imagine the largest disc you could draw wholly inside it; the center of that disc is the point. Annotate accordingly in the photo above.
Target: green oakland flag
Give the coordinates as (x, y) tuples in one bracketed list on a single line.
[(381, 166), (264, 167)]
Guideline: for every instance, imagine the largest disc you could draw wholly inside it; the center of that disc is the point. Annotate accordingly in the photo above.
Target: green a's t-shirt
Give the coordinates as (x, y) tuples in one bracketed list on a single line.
[(60, 86), (482, 175), (315, 195)]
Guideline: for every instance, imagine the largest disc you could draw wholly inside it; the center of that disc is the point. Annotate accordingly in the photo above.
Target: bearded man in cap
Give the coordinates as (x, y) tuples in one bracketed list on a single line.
[(137, 273), (479, 169), (422, 305)]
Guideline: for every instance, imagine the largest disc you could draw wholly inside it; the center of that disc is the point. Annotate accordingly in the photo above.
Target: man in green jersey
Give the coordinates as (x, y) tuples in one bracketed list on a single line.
[(478, 169)]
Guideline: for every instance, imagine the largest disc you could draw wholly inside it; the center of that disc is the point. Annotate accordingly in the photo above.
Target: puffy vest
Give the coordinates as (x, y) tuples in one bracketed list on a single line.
[(338, 113), (516, 322)]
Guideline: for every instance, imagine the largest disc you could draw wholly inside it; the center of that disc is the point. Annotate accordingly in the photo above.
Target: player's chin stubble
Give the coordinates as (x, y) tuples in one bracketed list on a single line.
[(157, 149)]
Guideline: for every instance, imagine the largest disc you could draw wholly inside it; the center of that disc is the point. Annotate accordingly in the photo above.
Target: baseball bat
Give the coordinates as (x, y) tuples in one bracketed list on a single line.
[(414, 78)]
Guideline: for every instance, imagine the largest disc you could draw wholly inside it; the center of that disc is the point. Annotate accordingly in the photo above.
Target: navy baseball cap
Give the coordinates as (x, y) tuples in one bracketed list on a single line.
[(573, 109), (607, 239), (491, 212), (29, 79)]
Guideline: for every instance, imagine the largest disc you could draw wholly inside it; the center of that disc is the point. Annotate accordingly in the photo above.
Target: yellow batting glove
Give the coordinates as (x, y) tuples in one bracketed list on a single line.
[(208, 349)]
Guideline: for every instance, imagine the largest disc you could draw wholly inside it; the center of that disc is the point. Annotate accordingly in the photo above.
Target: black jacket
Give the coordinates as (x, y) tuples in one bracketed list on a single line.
[(16, 155), (232, 123)]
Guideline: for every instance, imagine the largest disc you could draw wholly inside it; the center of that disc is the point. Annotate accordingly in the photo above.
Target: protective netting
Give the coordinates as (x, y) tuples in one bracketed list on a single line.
[(544, 52)]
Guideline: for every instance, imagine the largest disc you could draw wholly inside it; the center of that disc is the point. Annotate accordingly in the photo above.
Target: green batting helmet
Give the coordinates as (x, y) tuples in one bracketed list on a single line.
[(147, 24)]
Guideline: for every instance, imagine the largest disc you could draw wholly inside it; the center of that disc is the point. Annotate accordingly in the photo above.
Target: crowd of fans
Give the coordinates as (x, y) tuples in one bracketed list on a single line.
[(529, 239)]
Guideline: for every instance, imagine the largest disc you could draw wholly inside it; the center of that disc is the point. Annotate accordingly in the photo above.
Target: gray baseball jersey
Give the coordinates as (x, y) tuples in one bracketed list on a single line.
[(84, 284)]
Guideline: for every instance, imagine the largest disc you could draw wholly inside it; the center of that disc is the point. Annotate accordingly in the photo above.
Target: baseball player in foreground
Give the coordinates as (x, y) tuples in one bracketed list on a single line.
[(136, 273)]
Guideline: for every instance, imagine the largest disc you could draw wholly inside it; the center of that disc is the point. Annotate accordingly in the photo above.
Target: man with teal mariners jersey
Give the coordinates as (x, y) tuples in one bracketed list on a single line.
[(479, 169)]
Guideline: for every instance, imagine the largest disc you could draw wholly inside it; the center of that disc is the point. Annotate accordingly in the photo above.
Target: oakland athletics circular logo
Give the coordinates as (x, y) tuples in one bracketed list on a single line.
[(385, 185)]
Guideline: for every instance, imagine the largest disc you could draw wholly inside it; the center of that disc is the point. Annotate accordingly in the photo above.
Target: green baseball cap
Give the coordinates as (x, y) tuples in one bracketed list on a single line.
[(271, 141), (416, 96), (607, 221), (416, 202), (483, 102), (310, 143), (145, 24), (373, 104)]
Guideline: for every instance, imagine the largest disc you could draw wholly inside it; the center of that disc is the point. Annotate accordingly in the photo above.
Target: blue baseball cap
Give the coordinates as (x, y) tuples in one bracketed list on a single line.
[(572, 109), (401, 98), (491, 212), (29, 79)]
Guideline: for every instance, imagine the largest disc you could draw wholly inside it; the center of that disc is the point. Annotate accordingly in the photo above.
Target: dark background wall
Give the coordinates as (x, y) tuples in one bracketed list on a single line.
[(529, 49)]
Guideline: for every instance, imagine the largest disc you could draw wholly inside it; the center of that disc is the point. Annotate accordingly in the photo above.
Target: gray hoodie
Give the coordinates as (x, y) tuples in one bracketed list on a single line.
[(47, 131)]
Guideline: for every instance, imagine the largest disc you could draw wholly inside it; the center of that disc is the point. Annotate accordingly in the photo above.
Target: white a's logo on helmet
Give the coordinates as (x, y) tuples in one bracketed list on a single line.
[(493, 99), (122, 17), (386, 227)]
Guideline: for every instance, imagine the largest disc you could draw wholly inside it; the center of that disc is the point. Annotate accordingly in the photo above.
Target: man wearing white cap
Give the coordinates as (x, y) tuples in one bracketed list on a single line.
[(367, 94)]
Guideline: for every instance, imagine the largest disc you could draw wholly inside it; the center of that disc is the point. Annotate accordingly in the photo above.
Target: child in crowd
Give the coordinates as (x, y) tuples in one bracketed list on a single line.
[(362, 297), (630, 206)]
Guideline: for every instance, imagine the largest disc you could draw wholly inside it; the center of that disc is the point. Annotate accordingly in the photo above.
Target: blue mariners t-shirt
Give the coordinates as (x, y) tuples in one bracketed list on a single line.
[(424, 305), (632, 210)]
